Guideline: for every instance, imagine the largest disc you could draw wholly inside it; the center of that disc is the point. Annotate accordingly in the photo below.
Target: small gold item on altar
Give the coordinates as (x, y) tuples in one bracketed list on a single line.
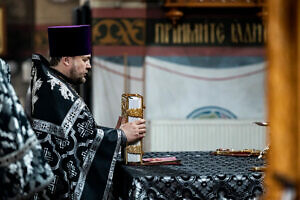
[(132, 110), (258, 169), (231, 152)]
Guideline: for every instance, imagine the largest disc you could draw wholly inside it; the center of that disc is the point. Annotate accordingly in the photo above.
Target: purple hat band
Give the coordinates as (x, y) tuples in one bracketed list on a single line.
[(69, 40)]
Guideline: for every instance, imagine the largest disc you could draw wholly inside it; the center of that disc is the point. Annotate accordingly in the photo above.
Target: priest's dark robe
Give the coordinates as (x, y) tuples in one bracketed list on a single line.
[(81, 154)]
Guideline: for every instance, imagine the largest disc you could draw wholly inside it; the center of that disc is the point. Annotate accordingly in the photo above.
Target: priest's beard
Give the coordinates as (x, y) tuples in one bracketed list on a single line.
[(77, 78)]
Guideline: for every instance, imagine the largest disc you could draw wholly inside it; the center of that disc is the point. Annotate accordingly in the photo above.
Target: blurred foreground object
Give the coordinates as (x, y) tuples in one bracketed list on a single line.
[(283, 50), (22, 167)]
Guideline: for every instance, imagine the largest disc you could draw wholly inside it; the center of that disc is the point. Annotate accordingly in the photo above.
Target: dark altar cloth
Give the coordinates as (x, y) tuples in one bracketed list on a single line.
[(200, 176)]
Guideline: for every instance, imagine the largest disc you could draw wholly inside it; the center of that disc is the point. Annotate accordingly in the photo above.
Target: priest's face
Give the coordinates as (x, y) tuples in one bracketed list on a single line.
[(80, 68)]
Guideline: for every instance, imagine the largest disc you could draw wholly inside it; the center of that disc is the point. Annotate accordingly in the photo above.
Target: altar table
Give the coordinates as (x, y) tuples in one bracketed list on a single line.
[(201, 176)]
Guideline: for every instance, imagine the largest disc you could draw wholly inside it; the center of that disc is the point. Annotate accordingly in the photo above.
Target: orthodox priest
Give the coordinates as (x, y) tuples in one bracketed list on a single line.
[(81, 154)]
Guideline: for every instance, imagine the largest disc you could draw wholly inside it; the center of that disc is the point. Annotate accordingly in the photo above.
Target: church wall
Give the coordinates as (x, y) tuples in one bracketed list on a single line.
[(18, 30), (26, 23), (210, 65), (19, 21), (50, 13)]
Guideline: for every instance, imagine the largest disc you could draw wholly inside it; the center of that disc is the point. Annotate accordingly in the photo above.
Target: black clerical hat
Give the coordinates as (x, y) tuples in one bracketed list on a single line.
[(69, 40)]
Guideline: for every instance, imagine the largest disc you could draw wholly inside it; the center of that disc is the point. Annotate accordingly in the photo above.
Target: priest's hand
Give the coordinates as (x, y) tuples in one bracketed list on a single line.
[(134, 131)]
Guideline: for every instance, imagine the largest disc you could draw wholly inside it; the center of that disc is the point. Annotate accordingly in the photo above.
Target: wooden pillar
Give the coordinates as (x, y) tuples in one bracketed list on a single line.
[(298, 101), (283, 47)]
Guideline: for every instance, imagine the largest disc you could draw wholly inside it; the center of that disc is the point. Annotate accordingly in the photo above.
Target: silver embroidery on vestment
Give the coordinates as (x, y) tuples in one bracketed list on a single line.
[(36, 86), (64, 90), (48, 127), (17, 155), (35, 57), (72, 115), (87, 163), (112, 167)]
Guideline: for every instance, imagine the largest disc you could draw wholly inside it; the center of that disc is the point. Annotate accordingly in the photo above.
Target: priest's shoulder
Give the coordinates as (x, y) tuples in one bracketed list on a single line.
[(37, 58)]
